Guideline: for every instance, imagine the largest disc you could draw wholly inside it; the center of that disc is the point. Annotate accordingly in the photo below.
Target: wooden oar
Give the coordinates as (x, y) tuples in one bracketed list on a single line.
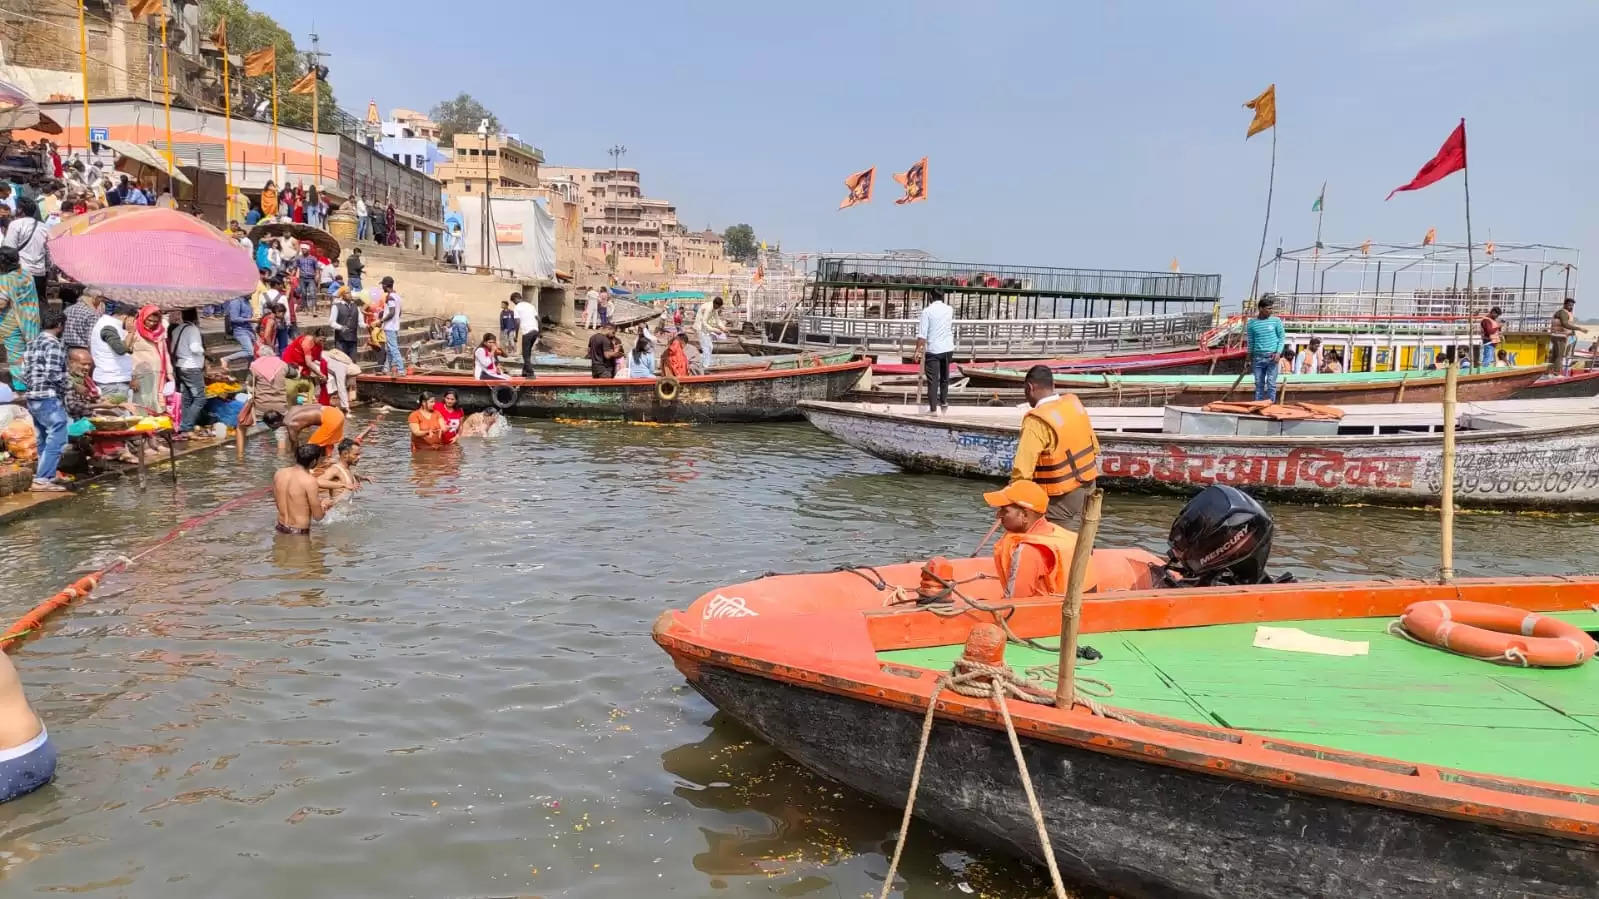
[(1238, 380)]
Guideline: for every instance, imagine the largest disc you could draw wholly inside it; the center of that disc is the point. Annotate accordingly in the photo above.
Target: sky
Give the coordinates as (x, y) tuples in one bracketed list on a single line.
[(1078, 133)]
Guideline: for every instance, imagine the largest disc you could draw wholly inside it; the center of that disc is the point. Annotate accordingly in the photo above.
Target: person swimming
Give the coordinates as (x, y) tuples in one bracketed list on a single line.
[(295, 490), (27, 757)]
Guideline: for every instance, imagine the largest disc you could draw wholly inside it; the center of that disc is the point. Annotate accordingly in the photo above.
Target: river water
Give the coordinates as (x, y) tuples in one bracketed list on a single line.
[(451, 689)]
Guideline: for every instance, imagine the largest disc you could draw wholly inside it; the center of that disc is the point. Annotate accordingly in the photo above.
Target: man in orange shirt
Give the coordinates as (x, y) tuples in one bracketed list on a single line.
[(1035, 555)]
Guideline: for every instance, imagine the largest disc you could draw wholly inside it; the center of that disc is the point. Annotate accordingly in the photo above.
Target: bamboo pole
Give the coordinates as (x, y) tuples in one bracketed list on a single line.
[(227, 119), (1071, 611), (1271, 183), (83, 61), (277, 158), (166, 101), (1446, 523)]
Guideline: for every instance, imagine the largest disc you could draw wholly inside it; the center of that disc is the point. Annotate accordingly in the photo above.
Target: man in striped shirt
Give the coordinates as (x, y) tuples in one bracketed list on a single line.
[(1265, 336)]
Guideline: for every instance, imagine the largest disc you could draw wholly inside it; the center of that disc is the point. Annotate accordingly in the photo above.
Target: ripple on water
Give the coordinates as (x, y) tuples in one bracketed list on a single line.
[(451, 690)]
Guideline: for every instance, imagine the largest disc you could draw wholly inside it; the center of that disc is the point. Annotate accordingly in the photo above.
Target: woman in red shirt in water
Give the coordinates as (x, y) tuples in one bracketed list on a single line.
[(449, 408)]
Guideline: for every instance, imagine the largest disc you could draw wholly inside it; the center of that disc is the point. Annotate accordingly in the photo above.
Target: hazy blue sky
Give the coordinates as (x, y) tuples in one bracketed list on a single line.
[(1094, 134)]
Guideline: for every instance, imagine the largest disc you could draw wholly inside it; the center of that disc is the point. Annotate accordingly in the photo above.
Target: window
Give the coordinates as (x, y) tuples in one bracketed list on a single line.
[(491, 152), (466, 186)]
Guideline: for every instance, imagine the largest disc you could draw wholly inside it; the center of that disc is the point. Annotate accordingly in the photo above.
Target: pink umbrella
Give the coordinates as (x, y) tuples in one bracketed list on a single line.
[(152, 255)]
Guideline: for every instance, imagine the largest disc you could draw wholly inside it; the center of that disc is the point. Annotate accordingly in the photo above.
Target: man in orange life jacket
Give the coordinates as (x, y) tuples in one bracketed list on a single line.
[(1058, 449), (1035, 555)]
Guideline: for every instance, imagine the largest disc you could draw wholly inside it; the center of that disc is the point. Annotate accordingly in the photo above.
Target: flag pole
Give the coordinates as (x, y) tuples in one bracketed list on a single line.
[(1271, 181), (1465, 171), (276, 157), (166, 99), (316, 132), (227, 119), (83, 60)]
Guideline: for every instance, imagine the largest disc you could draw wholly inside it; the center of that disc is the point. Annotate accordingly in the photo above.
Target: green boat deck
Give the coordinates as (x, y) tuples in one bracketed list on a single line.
[(1402, 700), (1155, 380)]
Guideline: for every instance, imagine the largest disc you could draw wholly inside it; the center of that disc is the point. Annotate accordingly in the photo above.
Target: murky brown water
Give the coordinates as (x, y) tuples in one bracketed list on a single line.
[(452, 691)]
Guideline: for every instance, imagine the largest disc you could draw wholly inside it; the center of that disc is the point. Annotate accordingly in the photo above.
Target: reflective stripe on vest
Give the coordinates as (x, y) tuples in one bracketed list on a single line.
[(1074, 461)]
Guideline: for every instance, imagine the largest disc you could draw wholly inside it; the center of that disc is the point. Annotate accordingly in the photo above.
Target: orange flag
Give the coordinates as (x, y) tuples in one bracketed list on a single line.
[(306, 84), (1432, 235), (1174, 266), (1265, 107), (1365, 248), (860, 187), (138, 9), (914, 180), (1488, 248), (261, 62), (219, 36)]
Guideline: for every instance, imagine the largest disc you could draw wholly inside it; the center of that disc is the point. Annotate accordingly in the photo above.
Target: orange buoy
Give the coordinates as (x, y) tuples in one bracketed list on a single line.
[(1498, 633)]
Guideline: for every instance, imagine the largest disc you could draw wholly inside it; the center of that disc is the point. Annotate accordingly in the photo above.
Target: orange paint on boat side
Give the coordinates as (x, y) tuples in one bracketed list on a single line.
[(833, 651)]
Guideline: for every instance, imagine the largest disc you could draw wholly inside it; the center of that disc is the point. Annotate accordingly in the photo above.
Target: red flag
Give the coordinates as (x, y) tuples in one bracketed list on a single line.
[(1451, 158)]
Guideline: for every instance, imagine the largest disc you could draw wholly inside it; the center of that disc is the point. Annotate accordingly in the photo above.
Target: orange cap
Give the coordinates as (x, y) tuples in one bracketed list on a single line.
[(1026, 494)]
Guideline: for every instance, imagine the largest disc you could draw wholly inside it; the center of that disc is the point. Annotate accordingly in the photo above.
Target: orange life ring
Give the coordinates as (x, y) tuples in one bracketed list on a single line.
[(1498, 633)]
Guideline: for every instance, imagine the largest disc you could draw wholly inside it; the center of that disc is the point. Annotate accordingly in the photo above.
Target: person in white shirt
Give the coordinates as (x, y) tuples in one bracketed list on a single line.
[(1308, 362), (708, 322), (935, 347), (485, 360), (188, 355), (591, 308), (28, 235), (527, 326)]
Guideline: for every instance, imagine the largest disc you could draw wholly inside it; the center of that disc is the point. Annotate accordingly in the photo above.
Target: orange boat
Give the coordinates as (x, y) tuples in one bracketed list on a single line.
[(1219, 766)]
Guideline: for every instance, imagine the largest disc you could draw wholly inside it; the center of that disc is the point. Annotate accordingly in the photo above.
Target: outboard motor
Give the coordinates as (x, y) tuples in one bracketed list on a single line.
[(1221, 537)]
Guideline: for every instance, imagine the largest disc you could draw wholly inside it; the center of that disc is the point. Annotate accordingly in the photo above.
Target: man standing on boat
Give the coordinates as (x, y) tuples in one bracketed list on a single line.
[(1264, 334), (526, 317), (1035, 555), (935, 347), (1058, 451), (1492, 334), (708, 322), (1563, 330), (1308, 362)]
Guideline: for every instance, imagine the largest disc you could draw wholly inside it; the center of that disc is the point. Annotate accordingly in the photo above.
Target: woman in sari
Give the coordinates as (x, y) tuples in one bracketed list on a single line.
[(389, 226), (152, 362), (269, 201), (19, 312)]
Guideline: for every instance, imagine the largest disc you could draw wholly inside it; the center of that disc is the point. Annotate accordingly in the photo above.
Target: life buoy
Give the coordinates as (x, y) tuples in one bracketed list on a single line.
[(667, 387), (505, 399), (1498, 633)]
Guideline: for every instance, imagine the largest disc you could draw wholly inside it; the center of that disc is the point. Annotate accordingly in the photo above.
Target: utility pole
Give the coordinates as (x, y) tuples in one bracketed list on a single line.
[(617, 151), (488, 227), (314, 59)]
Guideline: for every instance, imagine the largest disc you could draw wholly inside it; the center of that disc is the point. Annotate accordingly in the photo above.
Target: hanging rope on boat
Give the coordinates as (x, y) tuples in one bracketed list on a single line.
[(977, 679)]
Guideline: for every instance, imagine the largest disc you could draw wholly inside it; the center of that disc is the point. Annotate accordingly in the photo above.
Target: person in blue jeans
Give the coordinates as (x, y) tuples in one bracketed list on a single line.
[(390, 321), (1264, 335), (44, 370)]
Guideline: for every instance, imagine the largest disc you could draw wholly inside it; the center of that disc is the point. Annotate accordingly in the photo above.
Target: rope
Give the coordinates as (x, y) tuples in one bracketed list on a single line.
[(976, 679), (1511, 655)]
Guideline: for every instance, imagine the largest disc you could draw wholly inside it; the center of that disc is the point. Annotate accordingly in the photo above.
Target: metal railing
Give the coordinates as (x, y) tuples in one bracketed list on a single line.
[(1523, 309), (1014, 338), (902, 271)]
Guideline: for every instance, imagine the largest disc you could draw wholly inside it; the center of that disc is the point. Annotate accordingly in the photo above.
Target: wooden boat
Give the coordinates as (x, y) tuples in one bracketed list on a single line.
[(1581, 383), (1199, 361), (1231, 771), (552, 364), (1510, 454), (735, 396), (894, 392), (1349, 388)]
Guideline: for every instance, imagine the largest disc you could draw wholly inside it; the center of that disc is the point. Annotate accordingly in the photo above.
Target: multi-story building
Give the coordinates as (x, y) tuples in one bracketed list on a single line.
[(700, 253), (500, 160), (417, 123), (641, 234), (408, 147)]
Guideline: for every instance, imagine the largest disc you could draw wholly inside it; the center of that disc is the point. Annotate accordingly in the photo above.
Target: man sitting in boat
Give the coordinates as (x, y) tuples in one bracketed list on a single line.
[(27, 757), (1058, 449), (1033, 557)]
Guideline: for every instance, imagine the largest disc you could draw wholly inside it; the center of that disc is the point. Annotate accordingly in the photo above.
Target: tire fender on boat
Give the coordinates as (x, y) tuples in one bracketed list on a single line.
[(667, 387), (1498, 633), (504, 400)]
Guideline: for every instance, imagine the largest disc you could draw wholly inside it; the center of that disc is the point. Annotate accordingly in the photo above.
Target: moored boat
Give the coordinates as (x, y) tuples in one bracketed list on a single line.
[(1576, 384), (1222, 769), (1348, 388), (732, 396), (1531, 454), (1199, 361), (553, 364)]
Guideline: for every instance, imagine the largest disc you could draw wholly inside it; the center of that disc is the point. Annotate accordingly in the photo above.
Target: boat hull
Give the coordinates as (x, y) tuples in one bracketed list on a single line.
[(1344, 390), (735, 397), (1531, 468), (1577, 385), (1144, 830), (1180, 362)]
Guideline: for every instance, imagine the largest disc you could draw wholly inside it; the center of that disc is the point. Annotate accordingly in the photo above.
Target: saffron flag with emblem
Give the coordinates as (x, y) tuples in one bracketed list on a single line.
[(860, 187), (1488, 248), (1432, 236), (261, 62), (914, 180), (1265, 107), (1451, 158), (138, 9), (1365, 248), (1174, 266), (219, 35), (306, 84), (1320, 198)]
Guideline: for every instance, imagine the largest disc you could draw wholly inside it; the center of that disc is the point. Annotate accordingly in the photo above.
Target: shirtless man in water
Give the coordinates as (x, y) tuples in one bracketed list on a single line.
[(27, 757), (295, 491), (325, 425), (337, 478)]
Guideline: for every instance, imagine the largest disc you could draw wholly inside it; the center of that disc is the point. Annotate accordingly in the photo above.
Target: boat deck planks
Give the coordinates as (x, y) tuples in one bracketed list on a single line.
[(1402, 700)]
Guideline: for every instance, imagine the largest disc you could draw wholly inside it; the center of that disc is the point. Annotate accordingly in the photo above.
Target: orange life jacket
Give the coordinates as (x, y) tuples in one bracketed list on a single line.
[(1057, 544), (1074, 460)]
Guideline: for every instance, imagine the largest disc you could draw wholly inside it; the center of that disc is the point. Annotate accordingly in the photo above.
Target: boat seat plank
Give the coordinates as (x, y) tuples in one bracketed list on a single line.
[(1402, 700)]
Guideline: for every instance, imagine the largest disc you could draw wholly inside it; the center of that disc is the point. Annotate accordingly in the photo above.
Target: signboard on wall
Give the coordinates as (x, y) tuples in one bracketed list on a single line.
[(507, 233), (99, 135)]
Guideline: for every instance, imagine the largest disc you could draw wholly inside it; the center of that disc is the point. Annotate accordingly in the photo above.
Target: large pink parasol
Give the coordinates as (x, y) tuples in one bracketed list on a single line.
[(152, 255)]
